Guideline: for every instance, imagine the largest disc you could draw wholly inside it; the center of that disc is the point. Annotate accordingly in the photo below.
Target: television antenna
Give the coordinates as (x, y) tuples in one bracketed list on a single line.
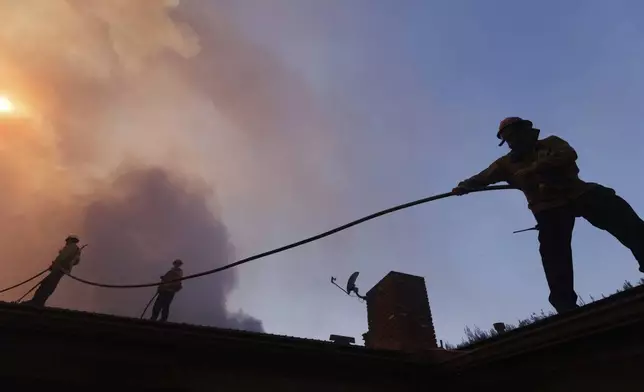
[(351, 286)]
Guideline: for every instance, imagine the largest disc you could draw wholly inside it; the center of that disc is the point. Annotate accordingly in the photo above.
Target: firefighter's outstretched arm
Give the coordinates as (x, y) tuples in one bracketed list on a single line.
[(493, 174)]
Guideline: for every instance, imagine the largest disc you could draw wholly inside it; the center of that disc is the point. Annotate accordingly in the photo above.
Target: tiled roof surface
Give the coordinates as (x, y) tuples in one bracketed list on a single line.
[(11, 313)]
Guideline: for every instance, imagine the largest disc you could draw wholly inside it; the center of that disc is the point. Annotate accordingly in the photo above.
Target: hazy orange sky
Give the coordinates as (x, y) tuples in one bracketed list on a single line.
[(134, 126)]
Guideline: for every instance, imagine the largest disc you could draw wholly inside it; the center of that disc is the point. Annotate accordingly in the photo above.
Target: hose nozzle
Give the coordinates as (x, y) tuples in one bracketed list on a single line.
[(524, 230)]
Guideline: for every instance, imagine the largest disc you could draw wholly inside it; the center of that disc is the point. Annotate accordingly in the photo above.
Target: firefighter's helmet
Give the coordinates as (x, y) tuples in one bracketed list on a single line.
[(72, 238), (510, 121)]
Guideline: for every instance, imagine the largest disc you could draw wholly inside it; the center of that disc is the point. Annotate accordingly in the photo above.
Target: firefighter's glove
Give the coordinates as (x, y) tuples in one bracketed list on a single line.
[(460, 191)]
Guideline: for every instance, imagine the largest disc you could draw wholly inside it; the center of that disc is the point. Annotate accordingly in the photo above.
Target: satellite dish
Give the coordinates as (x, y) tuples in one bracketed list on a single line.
[(351, 283)]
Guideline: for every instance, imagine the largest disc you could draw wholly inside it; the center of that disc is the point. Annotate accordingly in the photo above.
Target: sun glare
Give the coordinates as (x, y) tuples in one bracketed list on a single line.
[(6, 106)]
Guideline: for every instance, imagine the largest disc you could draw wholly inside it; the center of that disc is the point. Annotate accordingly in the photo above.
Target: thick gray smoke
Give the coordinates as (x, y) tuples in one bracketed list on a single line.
[(143, 221)]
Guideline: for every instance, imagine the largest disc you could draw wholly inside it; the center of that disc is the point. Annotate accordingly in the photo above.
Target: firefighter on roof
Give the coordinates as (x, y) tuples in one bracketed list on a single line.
[(166, 291), (68, 257), (545, 170)]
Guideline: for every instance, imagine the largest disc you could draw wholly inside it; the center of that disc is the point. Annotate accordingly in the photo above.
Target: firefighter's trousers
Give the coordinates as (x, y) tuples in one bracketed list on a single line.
[(602, 208)]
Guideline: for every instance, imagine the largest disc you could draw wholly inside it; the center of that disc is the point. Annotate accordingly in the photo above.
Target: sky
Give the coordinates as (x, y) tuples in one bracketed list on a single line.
[(214, 130)]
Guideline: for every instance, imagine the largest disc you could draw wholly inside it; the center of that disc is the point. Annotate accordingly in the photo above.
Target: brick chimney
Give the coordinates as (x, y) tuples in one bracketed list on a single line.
[(399, 315)]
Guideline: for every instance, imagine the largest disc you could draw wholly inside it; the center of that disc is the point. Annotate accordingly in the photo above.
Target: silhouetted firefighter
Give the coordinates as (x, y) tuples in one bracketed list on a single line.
[(547, 173), (68, 257), (166, 291)]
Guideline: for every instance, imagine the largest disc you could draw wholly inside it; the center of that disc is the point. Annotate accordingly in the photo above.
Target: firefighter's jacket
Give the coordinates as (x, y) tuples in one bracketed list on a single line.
[(174, 273), (553, 182), (67, 257)]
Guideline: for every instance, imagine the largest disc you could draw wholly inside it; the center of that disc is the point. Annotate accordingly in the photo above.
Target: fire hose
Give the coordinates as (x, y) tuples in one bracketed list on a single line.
[(30, 290), (270, 252), (292, 245), (149, 303), (15, 286)]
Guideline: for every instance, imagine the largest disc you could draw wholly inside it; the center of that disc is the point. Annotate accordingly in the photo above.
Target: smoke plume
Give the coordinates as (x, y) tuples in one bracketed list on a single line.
[(143, 221), (136, 122)]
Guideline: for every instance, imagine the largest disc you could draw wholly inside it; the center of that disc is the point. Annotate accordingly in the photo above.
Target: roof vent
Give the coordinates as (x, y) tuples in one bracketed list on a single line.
[(499, 327), (342, 340)]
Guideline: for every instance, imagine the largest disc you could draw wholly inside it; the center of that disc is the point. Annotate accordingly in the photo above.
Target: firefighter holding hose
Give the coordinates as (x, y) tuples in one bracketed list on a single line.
[(167, 290), (68, 257), (545, 170)]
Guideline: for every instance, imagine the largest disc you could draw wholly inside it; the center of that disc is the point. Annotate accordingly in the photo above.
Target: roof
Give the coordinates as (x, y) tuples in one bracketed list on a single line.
[(17, 313), (605, 332), (130, 342), (619, 311)]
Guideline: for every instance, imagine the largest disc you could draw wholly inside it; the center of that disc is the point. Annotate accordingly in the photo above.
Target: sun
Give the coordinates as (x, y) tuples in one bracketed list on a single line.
[(6, 106)]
